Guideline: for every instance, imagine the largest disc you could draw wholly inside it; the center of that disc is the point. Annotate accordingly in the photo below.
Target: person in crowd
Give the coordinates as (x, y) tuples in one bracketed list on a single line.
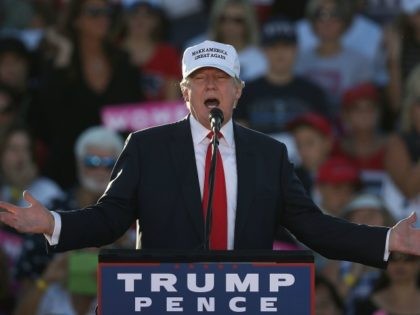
[(159, 179), (88, 73), (15, 71), (67, 286), (336, 183), (9, 108), (330, 64), (402, 156), (145, 40), (354, 280), (402, 44), (270, 102), (314, 138), (362, 35), (397, 291), (234, 22), (19, 172), (14, 63), (96, 150), (327, 300), (362, 139)]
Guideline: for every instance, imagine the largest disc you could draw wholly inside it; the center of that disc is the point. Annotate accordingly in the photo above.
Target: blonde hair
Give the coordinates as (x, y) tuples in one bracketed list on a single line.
[(251, 23), (412, 93)]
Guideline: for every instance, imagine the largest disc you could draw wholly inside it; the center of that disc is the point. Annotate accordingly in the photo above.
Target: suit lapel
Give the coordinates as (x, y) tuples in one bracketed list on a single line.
[(245, 159), (182, 149)]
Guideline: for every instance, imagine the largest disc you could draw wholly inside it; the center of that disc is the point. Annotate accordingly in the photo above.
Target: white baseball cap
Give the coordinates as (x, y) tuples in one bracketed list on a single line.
[(211, 54), (410, 6), (364, 200)]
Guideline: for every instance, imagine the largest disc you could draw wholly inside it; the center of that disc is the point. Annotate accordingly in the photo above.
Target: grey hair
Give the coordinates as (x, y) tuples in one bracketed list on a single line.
[(99, 137)]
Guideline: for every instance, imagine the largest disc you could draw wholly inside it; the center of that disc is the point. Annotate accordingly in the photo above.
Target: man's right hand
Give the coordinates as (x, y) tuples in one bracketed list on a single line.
[(32, 219)]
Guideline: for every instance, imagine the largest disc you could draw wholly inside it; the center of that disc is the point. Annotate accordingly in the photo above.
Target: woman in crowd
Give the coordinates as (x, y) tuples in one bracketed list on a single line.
[(397, 291), (145, 41), (89, 72), (234, 22), (19, 172), (330, 64)]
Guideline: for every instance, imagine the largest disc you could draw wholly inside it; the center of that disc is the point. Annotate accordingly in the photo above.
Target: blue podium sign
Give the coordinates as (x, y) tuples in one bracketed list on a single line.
[(220, 288)]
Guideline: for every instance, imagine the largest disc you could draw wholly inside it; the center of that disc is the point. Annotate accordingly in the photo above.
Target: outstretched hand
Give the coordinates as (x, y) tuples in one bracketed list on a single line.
[(405, 237), (32, 219)]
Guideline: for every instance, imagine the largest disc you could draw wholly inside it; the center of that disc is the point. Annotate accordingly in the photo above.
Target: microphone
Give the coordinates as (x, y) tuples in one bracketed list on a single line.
[(216, 119)]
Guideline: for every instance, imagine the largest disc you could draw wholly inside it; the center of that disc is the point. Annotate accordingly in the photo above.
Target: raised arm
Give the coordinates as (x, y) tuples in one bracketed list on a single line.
[(34, 218)]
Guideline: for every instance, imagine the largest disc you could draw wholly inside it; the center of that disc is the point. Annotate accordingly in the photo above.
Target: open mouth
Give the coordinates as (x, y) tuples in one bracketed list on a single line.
[(211, 103)]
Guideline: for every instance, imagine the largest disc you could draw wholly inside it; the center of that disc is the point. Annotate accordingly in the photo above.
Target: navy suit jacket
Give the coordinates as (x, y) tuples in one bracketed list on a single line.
[(155, 180)]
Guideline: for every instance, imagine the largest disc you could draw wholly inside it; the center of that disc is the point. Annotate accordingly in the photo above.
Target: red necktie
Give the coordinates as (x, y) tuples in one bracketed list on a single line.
[(218, 234)]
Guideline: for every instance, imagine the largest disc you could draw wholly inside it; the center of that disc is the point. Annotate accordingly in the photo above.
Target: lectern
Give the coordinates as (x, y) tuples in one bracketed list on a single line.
[(215, 282)]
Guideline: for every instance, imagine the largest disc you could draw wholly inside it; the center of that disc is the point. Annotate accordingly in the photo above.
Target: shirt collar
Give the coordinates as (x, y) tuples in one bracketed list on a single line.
[(199, 132)]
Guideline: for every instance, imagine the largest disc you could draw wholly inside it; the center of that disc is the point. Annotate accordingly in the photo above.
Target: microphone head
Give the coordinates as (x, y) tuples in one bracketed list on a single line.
[(216, 114)]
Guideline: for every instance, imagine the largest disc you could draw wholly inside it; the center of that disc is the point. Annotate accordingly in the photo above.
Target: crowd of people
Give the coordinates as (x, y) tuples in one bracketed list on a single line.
[(337, 81)]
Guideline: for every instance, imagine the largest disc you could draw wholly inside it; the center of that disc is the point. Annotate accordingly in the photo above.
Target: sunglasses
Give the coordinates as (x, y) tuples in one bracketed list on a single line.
[(95, 161), (231, 18), (96, 11)]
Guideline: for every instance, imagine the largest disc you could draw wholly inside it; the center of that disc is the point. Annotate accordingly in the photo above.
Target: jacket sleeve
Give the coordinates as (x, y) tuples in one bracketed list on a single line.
[(330, 236)]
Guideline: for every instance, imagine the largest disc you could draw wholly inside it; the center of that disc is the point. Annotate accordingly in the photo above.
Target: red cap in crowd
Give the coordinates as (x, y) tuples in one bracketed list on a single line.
[(313, 120), (338, 170), (362, 91)]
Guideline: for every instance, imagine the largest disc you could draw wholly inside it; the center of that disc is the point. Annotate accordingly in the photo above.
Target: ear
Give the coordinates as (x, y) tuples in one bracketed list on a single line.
[(238, 93), (185, 95)]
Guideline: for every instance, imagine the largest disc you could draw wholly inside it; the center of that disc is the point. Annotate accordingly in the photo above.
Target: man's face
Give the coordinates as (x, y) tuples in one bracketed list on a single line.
[(362, 116), (313, 147), (94, 168), (209, 88), (281, 57), (13, 70)]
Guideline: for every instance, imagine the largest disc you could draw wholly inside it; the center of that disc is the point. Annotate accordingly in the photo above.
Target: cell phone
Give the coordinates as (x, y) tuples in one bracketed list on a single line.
[(82, 272)]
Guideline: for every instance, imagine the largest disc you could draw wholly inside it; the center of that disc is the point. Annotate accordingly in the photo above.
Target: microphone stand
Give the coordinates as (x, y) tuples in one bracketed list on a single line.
[(212, 175)]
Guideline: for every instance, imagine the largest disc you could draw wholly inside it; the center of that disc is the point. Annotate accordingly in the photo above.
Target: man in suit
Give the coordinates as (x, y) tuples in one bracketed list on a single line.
[(159, 180)]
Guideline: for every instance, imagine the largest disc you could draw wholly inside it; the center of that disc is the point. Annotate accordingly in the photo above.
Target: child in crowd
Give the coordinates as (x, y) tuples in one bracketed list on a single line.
[(314, 137), (362, 140), (337, 182)]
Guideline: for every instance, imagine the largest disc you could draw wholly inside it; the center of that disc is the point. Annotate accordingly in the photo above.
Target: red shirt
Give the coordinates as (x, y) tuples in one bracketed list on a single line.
[(374, 161), (164, 64)]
